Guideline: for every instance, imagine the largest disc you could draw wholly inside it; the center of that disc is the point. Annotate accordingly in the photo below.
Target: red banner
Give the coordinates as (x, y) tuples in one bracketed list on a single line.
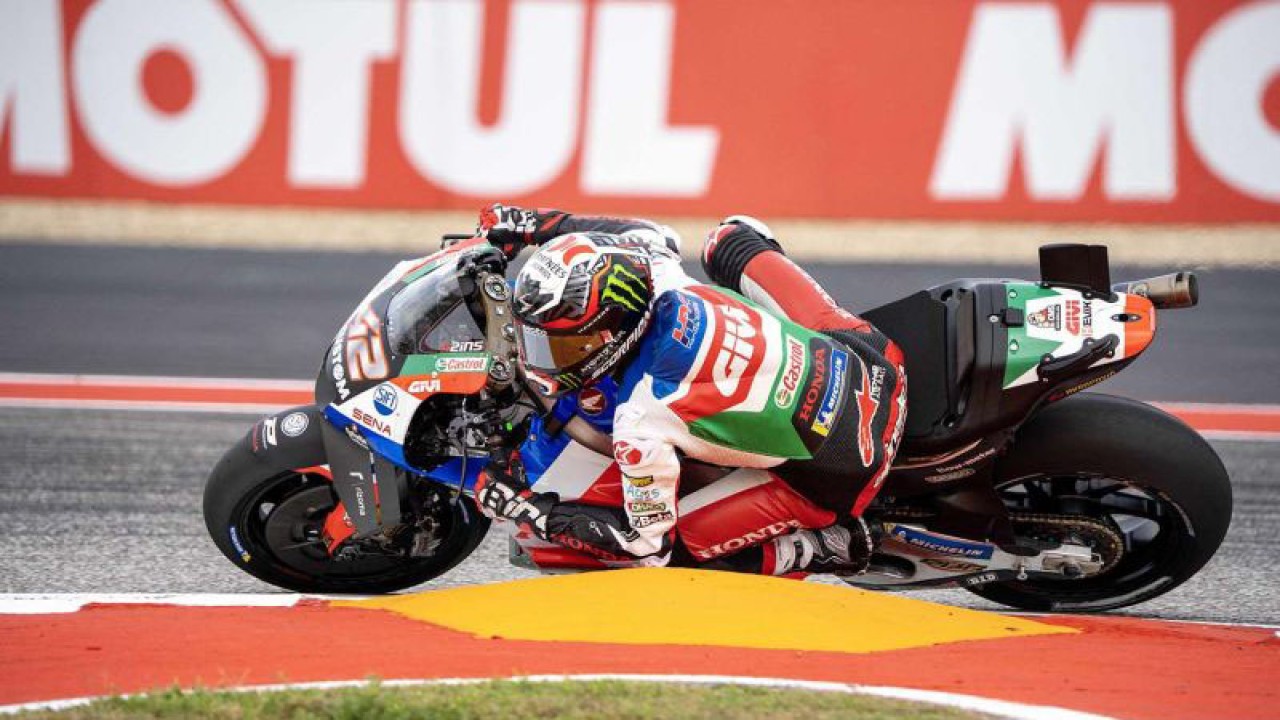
[(1137, 111)]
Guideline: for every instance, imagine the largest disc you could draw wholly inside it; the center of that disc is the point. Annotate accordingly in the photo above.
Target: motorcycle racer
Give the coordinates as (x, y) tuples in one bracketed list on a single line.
[(701, 373)]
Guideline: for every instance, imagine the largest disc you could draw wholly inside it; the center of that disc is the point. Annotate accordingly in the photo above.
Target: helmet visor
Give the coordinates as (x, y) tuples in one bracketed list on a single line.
[(553, 354)]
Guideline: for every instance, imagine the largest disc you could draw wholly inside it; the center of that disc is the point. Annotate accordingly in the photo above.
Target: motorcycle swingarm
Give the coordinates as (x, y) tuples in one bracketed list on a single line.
[(910, 556)]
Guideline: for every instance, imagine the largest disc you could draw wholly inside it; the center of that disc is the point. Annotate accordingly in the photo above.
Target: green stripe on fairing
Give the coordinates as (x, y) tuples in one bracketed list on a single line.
[(422, 271), (426, 364), (1029, 350)]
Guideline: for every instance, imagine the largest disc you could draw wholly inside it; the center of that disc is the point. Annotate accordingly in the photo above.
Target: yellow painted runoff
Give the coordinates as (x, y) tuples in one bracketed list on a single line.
[(652, 606)]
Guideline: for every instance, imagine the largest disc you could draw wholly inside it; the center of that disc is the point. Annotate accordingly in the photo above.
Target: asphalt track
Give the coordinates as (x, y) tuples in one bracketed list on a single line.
[(108, 501)]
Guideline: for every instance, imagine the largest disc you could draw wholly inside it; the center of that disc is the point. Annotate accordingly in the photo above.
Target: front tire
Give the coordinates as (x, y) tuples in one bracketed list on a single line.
[(266, 519), (1154, 478)]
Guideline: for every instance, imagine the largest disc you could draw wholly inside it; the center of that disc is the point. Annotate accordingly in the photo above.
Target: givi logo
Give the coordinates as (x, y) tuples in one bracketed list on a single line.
[(739, 343)]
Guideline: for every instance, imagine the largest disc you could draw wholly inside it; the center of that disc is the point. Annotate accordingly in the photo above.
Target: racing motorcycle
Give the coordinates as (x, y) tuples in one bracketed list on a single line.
[(1010, 482)]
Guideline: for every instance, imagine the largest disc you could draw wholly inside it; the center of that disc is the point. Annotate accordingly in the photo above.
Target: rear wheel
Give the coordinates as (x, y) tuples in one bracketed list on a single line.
[(269, 522), (1143, 473)]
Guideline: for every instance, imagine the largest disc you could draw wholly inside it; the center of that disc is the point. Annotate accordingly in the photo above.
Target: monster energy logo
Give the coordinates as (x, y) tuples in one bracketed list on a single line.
[(625, 288)]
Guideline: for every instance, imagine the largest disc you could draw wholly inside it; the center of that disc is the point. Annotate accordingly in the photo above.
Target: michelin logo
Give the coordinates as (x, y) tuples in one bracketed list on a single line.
[(835, 393)]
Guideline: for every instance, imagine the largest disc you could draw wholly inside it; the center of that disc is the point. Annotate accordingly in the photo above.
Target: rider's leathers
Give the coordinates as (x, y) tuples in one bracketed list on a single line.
[(718, 379)]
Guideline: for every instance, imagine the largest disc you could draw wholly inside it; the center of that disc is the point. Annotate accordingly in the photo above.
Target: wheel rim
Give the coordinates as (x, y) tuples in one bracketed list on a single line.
[(283, 521), (1154, 528)]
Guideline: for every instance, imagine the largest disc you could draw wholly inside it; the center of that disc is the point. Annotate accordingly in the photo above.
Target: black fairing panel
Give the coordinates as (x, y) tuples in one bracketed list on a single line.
[(955, 359)]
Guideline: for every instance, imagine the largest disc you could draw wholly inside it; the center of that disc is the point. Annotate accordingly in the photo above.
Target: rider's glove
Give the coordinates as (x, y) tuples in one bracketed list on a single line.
[(501, 491), (511, 229)]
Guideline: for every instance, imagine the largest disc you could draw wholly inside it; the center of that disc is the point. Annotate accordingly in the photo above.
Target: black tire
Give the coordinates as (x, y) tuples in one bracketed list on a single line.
[(266, 507), (1133, 463)]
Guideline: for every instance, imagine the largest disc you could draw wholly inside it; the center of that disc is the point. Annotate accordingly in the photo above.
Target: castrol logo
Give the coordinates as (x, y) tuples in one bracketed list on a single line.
[(791, 376)]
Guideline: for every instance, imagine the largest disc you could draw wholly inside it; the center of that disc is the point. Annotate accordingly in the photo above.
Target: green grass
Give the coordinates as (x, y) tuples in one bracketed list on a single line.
[(510, 699)]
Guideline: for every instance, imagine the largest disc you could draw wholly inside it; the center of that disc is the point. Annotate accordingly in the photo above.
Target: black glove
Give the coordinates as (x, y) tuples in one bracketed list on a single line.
[(511, 229), (502, 491)]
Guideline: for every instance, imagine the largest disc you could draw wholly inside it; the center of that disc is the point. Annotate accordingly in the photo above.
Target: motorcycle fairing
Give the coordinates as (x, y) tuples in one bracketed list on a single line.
[(1058, 322)]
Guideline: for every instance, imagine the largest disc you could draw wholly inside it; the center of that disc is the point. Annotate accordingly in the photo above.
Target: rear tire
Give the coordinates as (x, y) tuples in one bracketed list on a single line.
[(1156, 478), (261, 518)]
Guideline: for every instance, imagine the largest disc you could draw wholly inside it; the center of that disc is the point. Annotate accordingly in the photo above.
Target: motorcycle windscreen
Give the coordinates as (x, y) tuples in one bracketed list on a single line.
[(433, 315)]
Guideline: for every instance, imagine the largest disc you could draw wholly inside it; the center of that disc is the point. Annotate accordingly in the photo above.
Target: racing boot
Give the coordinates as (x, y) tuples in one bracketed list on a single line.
[(842, 549)]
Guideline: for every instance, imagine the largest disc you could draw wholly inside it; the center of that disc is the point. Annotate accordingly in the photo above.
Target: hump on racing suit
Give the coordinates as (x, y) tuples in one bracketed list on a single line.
[(721, 380)]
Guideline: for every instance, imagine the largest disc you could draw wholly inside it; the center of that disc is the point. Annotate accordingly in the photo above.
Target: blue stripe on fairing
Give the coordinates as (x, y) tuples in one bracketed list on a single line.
[(449, 472)]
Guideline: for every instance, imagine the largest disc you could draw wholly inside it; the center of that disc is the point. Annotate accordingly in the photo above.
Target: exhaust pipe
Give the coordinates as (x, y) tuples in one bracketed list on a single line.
[(1166, 292)]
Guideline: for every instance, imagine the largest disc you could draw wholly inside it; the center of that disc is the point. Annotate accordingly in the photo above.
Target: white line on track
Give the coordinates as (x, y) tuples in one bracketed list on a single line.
[(998, 708), (155, 381), (57, 603), (142, 405)]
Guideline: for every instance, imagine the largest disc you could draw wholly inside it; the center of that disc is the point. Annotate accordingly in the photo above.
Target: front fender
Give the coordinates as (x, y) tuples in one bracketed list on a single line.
[(289, 440)]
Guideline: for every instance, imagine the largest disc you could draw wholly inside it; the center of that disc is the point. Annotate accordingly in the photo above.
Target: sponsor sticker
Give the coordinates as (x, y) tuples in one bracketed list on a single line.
[(372, 422), (868, 401), (478, 363), (646, 507), (235, 543), (942, 545), (592, 401), (356, 437), (835, 393), (653, 519), (385, 399), (269, 432), (819, 350), (294, 424), (1072, 320), (688, 322), (424, 387), (1048, 318), (739, 343), (792, 374), (634, 493), (627, 454), (954, 566), (640, 482)]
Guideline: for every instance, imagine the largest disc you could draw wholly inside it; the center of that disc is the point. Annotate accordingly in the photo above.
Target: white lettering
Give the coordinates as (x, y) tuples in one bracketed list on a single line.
[(629, 148), (1018, 88), (735, 353), (534, 139), (32, 89), (1222, 99), (331, 43), (199, 142)]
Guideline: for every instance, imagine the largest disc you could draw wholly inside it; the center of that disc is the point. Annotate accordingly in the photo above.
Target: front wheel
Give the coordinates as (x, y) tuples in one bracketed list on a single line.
[(268, 520), (1150, 478)]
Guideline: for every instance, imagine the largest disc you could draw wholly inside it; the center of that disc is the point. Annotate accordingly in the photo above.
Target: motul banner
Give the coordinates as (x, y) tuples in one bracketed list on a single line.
[(1138, 111)]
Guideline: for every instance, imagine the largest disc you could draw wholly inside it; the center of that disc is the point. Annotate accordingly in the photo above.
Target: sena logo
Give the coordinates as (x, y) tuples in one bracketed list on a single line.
[(755, 537), (813, 393), (371, 421), (738, 346), (791, 375)]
